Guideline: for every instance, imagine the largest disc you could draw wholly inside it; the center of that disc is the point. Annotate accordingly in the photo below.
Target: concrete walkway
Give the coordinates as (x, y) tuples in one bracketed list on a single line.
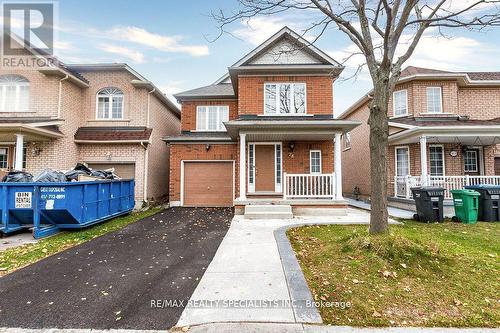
[(247, 267), (394, 212)]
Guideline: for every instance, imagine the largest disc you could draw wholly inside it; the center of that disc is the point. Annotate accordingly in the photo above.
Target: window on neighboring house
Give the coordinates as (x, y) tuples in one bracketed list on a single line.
[(315, 161), (4, 155), (211, 118), (400, 98), (434, 101), (347, 140), (436, 160), (402, 162), (284, 98), (470, 161), (14, 93), (110, 103)]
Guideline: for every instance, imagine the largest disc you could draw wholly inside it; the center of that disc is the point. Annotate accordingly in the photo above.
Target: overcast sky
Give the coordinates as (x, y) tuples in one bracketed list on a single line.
[(170, 43)]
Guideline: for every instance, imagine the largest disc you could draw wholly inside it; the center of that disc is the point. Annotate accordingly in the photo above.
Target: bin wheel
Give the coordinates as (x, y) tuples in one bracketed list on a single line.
[(455, 219), (416, 217)]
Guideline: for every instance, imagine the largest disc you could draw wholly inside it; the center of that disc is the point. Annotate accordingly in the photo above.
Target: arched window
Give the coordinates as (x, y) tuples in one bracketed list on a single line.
[(14, 93), (110, 103)]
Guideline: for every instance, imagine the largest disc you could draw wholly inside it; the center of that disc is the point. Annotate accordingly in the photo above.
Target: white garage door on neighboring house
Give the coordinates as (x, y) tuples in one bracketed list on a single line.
[(122, 170), (208, 184)]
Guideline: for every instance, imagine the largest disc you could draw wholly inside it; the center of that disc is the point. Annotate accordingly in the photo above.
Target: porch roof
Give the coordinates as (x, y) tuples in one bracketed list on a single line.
[(478, 135), (289, 128), (8, 130)]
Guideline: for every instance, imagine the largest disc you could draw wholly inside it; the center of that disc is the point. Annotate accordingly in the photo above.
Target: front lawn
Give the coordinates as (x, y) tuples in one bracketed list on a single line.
[(18, 257), (419, 275)]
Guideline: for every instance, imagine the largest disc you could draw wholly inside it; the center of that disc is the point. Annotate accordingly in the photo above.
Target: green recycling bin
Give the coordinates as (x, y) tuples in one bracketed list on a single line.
[(466, 204)]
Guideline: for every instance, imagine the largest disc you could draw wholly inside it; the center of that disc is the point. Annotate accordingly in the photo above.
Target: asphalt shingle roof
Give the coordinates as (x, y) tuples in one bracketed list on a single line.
[(214, 90), (113, 133), (455, 121)]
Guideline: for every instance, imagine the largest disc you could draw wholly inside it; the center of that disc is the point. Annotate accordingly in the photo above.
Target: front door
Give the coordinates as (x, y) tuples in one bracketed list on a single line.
[(264, 168), (471, 162)]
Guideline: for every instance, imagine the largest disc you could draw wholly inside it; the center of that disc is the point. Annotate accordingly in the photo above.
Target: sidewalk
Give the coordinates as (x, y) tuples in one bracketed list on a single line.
[(394, 212), (248, 266)]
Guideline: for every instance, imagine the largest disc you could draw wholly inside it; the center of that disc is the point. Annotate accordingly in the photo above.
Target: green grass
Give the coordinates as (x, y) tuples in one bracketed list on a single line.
[(18, 257), (418, 275)]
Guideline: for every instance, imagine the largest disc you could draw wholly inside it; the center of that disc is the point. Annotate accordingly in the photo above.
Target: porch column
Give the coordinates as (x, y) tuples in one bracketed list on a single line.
[(337, 166), (18, 164), (243, 163), (423, 159)]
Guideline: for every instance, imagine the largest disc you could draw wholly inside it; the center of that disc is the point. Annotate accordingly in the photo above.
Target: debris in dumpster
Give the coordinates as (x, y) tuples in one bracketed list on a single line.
[(50, 176), (72, 175), (18, 177)]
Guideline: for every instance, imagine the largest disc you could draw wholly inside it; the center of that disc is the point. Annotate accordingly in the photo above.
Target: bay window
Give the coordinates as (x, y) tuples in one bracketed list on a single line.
[(400, 99), (434, 100), (211, 118), (284, 98)]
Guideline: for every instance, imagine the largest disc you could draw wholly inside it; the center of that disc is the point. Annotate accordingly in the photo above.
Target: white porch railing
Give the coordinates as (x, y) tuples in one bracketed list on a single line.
[(308, 186), (403, 185)]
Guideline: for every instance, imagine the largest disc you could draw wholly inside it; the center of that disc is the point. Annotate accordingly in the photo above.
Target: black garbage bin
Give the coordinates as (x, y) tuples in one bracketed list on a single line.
[(429, 203), (489, 199)]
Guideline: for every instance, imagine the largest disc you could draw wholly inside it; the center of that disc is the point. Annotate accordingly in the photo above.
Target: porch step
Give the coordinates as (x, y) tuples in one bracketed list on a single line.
[(265, 212)]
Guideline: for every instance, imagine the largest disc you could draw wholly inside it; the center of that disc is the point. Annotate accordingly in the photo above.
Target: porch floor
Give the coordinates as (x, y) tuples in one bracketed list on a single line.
[(393, 211)]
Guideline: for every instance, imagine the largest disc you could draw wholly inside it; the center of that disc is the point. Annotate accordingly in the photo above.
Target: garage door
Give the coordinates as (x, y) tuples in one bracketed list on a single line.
[(208, 184), (125, 171), (497, 166)]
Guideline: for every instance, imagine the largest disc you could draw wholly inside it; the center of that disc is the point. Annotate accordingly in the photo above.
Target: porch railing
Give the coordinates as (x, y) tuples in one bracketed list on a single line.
[(403, 185), (308, 186)]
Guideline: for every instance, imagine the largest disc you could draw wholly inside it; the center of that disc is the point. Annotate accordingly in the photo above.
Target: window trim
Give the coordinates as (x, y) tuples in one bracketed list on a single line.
[(345, 135), (7, 160), (407, 148), (442, 156), (110, 117), (394, 103), (320, 161), (476, 159), (223, 129), (23, 82), (278, 114), (440, 99)]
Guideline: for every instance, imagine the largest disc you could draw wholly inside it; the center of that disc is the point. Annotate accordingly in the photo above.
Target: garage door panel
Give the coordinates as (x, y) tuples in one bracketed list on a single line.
[(124, 171), (208, 184)]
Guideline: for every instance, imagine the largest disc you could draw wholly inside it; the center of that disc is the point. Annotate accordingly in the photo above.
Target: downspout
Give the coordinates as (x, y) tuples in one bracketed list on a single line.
[(60, 96), (146, 154)]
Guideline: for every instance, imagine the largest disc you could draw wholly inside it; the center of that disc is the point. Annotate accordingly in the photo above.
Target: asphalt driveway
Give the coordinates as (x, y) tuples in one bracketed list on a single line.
[(110, 282)]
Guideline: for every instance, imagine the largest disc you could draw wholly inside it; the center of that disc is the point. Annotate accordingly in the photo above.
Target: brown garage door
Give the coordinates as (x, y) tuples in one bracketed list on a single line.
[(125, 171), (208, 184), (497, 166)]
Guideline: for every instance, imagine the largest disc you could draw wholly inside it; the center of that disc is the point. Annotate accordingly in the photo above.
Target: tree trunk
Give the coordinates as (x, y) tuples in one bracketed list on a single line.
[(379, 132)]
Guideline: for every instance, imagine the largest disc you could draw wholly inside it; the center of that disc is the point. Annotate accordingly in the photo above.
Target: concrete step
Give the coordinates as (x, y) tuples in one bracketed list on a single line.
[(265, 212)]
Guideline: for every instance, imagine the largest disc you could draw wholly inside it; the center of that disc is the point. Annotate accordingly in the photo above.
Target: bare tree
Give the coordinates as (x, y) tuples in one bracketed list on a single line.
[(386, 32)]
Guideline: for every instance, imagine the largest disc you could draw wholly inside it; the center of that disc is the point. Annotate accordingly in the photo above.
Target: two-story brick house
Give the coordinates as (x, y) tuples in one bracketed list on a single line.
[(444, 130), (263, 133), (106, 115)]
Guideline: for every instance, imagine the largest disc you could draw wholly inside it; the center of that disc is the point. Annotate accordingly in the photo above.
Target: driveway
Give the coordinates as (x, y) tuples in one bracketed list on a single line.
[(109, 282)]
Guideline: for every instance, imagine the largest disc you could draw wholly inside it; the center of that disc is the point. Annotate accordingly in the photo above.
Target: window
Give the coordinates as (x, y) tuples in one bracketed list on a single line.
[(14, 93), (436, 159), (400, 102), (110, 104), (211, 118), (402, 162), (470, 161), (315, 160), (347, 140), (284, 98), (434, 103), (4, 153)]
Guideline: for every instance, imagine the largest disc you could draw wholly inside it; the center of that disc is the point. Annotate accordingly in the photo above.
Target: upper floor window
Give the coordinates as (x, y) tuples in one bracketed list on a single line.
[(434, 102), (211, 118), (400, 98), (110, 103), (284, 98), (315, 161), (14, 93)]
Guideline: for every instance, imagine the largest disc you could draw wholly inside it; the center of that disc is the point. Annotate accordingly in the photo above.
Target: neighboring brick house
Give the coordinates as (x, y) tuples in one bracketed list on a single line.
[(264, 132), (444, 130), (106, 115)]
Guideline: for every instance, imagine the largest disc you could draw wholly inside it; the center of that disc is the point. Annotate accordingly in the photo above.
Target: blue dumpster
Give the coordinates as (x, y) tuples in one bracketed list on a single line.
[(48, 208)]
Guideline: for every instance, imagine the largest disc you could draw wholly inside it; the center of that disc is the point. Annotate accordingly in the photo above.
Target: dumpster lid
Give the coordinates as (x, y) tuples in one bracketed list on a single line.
[(465, 191), (427, 188), (491, 189)]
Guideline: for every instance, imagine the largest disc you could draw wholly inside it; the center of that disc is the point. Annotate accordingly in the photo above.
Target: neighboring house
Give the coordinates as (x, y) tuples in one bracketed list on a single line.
[(264, 132), (106, 115), (444, 130)]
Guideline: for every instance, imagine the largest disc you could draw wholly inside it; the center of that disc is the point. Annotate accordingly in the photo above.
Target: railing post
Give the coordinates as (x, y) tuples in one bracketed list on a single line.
[(407, 185), (395, 186), (285, 188), (467, 180)]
